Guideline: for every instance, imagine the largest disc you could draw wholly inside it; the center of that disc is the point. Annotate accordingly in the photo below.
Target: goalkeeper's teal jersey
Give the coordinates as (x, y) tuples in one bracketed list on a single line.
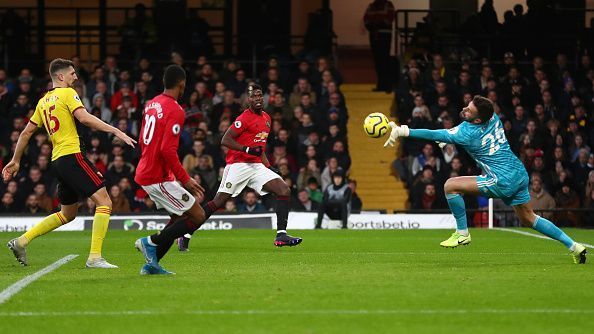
[(487, 145)]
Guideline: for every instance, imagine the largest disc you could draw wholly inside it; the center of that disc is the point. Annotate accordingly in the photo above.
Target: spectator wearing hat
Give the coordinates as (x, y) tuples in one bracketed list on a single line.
[(540, 199), (336, 201)]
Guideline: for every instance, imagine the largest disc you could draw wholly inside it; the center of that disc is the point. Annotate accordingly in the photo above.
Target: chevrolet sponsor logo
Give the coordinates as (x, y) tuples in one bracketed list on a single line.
[(261, 137)]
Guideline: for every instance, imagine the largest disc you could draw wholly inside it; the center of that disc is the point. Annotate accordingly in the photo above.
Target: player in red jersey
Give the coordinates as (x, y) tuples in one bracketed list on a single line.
[(159, 171), (248, 166)]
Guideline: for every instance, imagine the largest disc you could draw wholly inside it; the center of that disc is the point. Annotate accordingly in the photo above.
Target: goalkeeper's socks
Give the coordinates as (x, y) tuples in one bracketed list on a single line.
[(549, 229), (458, 208)]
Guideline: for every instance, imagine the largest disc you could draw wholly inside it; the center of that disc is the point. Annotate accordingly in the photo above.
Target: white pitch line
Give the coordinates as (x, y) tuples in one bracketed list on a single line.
[(298, 312), (20, 285), (534, 235)]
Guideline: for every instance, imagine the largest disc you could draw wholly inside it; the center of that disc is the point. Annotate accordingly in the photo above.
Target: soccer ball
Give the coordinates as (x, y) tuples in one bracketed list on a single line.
[(376, 125)]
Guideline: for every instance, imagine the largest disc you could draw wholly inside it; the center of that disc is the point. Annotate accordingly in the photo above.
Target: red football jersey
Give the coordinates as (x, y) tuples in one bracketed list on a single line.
[(252, 130), (162, 121)]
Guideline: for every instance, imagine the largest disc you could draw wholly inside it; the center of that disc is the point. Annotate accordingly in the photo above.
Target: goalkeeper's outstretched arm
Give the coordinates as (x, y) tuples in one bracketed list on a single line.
[(437, 135), (443, 136)]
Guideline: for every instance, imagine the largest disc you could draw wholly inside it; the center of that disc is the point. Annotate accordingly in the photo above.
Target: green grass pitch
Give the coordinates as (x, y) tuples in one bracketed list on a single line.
[(335, 282)]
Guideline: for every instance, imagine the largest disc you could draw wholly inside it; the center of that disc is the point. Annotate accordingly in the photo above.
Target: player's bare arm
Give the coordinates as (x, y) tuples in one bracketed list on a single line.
[(229, 141), (95, 123), (265, 159), (12, 168)]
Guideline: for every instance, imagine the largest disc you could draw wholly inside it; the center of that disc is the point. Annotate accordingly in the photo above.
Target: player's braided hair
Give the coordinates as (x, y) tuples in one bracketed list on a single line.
[(252, 88), (59, 64), (484, 107)]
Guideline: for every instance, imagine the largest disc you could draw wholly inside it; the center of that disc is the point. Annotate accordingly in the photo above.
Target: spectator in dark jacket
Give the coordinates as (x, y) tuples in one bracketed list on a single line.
[(337, 200)]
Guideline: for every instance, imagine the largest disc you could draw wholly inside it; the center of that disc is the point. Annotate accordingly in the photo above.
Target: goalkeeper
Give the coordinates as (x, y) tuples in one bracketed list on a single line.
[(481, 134)]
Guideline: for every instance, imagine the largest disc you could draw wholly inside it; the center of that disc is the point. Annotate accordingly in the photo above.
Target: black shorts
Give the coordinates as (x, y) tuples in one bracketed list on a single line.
[(78, 178)]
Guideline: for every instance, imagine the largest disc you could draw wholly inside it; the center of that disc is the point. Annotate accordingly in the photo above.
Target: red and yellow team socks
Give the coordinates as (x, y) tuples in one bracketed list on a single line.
[(100, 224), (48, 224)]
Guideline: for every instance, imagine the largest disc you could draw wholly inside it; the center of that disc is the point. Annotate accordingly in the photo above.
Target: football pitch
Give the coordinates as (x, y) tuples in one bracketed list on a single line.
[(335, 282)]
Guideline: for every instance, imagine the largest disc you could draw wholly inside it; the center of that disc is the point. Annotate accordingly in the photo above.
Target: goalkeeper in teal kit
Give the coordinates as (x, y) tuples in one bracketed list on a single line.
[(482, 136)]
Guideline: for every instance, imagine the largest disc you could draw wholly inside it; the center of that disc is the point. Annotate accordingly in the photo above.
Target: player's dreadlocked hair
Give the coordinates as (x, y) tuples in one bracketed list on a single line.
[(484, 107), (251, 88), (174, 74)]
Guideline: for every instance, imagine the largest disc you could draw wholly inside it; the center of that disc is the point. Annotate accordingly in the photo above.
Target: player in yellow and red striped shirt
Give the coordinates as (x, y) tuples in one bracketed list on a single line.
[(78, 177)]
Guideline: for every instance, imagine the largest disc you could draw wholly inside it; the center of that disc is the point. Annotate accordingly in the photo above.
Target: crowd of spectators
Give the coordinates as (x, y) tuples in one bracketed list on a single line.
[(546, 109), (307, 142)]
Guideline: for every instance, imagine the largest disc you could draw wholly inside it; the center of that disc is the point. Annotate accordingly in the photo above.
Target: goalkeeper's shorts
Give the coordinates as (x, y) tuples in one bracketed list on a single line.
[(511, 194)]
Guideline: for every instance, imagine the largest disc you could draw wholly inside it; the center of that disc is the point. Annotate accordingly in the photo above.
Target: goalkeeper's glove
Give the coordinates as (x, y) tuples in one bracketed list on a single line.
[(441, 144), (397, 131)]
